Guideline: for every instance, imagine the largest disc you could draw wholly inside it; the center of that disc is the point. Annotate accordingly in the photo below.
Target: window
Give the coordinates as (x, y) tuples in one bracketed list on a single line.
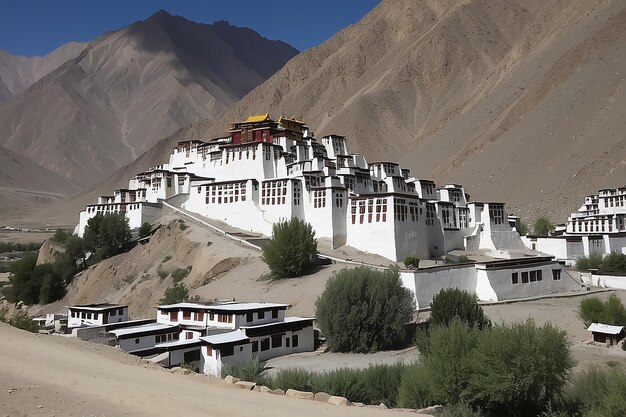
[(539, 275), (496, 212), (287, 342), (261, 315), (533, 276), (255, 346), (514, 278), (120, 311), (209, 350), (212, 316), (136, 341), (265, 344), (249, 317), (274, 314), (319, 199), (295, 340), (186, 315), (524, 277), (274, 192), (112, 313), (95, 316), (277, 341), (556, 274), (188, 335), (400, 209), (199, 316)]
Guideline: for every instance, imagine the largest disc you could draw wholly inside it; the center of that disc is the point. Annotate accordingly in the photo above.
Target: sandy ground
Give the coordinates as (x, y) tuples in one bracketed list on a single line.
[(47, 375)]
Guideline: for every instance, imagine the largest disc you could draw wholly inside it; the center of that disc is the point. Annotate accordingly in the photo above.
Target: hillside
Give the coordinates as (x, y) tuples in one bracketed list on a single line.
[(129, 88)]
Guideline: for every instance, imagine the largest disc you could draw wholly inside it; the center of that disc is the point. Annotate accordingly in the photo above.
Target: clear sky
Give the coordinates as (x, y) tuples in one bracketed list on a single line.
[(36, 27)]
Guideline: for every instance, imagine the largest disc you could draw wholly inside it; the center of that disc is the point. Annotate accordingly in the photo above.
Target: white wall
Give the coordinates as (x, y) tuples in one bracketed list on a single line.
[(605, 281), (425, 283)]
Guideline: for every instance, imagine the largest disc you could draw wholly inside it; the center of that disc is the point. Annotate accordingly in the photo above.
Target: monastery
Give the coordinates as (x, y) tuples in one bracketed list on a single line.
[(599, 226), (266, 170)]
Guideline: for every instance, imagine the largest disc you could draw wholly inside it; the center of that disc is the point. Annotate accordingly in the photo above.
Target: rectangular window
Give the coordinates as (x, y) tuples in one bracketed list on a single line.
[(212, 316), (209, 350), (539, 275), (514, 278), (261, 315), (556, 274), (255, 346), (227, 351), (287, 342), (524, 277), (277, 341), (533, 276), (265, 344), (249, 317), (188, 335), (295, 340), (186, 315)]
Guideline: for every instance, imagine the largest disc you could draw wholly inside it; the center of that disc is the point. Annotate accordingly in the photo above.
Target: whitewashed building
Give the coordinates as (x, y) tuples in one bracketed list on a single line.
[(599, 226), (267, 170), (96, 314)]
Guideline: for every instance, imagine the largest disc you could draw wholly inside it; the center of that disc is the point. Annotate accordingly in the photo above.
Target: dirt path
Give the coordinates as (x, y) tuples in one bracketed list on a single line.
[(47, 375)]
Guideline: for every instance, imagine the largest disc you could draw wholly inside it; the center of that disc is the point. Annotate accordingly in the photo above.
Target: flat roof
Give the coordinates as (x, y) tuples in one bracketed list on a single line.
[(605, 328), (97, 306), (234, 306), (146, 328), (290, 323), (178, 343), (226, 338)]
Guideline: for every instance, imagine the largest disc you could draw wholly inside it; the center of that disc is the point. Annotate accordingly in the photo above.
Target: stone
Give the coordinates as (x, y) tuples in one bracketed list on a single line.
[(263, 389), (231, 379), (245, 385), (358, 404), (322, 397), (383, 406), (277, 391), (303, 395), (432, 410), (335, 400)]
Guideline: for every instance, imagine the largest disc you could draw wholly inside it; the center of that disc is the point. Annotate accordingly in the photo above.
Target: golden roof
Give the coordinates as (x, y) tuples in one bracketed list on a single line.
[(255, 118), (291, 119)]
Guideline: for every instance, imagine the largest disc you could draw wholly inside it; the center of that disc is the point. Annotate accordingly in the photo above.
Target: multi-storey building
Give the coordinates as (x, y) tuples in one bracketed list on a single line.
[(266, 171)]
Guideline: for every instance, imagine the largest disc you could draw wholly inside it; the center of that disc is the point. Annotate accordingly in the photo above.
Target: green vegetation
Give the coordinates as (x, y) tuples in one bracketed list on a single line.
[(452, 303), (144, 230), (61, 235), (364, 310), (248, 371), (166, 258), (107, 235), (179, 274), (596, 392), (543, 226), (594, 310), (613, 263), (521, 227), (23, 321), (292, 249), (177, 294), (412, 262), (19, 247), (162, 274)]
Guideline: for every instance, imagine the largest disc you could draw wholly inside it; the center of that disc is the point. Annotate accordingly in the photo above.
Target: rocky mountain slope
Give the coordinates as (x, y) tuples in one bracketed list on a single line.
[(128, 89), (520, 101)]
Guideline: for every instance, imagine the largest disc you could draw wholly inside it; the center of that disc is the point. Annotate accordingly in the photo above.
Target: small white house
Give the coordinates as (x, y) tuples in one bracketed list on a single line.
[(147, 336), (96, 314)]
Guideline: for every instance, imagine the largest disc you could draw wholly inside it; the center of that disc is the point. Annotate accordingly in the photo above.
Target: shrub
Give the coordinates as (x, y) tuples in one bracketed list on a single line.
[(597, 392), (183, 226), (364, 310), (521, 227), (412, 262), (166, 258), (543, 226), (459, 410), (144, 230), (294, 378), (175, 294), (414, 390), (52, 284), (612, 263), (162, 274), (345, 382), (451, 303), (291, 250), (594, 310), (248, 371), (61, 235), (179, 274), (382, 383), (23, 321)]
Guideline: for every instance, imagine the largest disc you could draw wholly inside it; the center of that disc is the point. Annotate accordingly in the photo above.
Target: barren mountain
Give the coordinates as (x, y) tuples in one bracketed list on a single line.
[(132, 87), (17, 73), (520, 101)]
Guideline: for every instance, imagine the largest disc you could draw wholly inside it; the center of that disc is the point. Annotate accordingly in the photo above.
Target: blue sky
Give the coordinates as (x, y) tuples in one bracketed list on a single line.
[(36, 27)]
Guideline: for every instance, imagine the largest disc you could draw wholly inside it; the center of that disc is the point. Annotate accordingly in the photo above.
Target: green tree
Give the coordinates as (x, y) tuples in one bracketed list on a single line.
[(521, 227), (597, 392), (76, 250), (145, 229), (364, 310), (594, 310), (292, 249), (52, 285), (412, 262), (176, 294), (107, 235), (451, 303), (61, 235), (543, 226), (25, 284)]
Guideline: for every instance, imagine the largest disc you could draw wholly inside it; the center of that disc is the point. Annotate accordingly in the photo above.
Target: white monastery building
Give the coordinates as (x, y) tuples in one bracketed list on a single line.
[(599, 226), (96, 314), (267, 170), (209, 336)]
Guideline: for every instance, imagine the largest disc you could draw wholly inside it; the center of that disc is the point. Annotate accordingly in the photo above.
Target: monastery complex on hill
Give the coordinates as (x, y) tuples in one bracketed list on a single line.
[(270, 170)]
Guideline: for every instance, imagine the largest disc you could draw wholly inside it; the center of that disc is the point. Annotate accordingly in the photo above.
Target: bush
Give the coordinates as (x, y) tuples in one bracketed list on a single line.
[(521, 227), (594, 310), (412, 262), (292, 249), (597, 392), (52, 284), (166, 258), (176, 294), (345, 382), (144, 230), (162, 274), (61, 235), (294, 378), (543, 226), (364, 310), (23, 321), (414, 390), (451, 303), (249, 371), (459, 410), (613, 263), (594, 261), (179, 274)]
